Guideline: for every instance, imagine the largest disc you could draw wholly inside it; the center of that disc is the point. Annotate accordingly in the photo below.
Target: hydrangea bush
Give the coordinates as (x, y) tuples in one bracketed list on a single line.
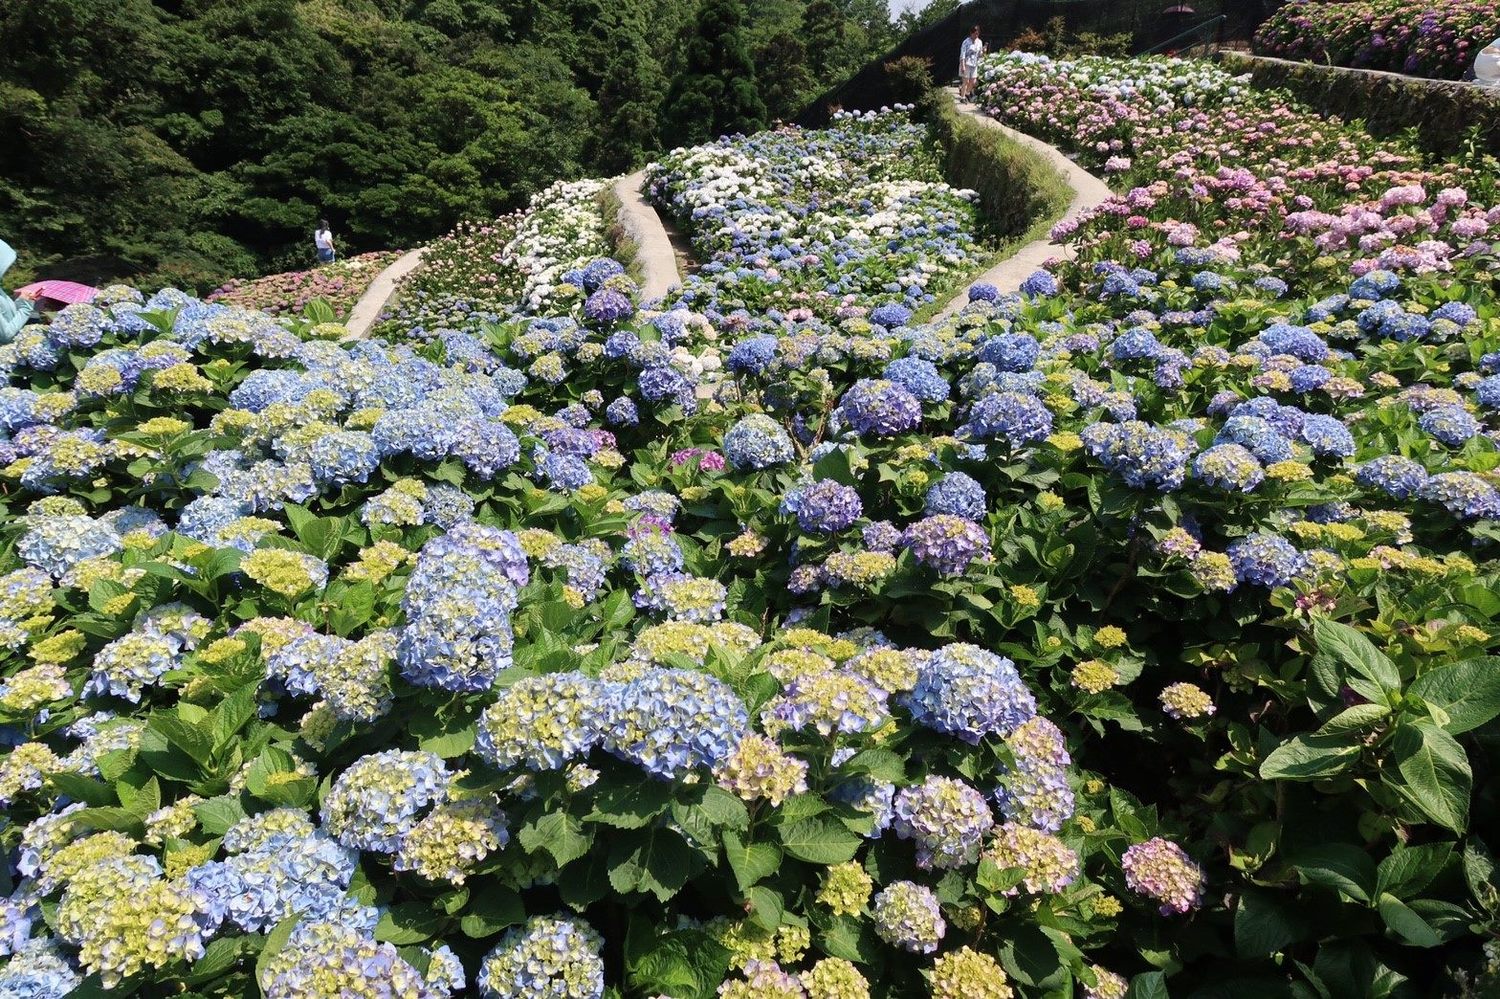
[(849, 221), (1126, 634), (339, 284), (525, 262), (1436, 38)]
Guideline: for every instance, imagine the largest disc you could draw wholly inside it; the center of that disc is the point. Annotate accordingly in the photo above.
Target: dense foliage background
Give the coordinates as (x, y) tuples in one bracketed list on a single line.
[(184, 142)]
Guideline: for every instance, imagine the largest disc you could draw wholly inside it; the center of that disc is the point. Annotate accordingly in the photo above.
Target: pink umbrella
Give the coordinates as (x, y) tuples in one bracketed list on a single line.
[(67, 292)]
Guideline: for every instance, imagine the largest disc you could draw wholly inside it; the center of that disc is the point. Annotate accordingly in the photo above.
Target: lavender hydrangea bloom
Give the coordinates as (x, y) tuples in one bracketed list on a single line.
[(823, 507), (880, 408), (946, 543)]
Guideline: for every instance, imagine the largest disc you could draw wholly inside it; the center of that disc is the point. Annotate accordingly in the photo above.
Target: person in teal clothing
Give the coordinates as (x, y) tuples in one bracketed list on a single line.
[(13, 313)]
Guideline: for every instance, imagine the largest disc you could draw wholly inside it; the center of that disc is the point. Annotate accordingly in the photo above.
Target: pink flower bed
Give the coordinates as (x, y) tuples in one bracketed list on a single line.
[(340, 284)]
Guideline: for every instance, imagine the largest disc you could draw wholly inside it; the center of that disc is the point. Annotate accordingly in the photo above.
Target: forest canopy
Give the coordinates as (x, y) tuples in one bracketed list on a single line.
[(186, 141)]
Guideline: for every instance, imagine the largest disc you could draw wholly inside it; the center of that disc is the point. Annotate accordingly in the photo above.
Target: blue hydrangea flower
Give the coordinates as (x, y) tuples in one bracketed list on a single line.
[(1039, 284), (890, 316), (753, 355), (622, 412), (671, 722), (1257, 436), (1327, 436), (1010, 352), (1400, 477), (1265, 560), (757, 442), (919, 377), (958, 494), (1451, 425), (608, 306), (1464, 495), (946, 544), (379, 797), (1229, 467), (969, 693), (946, 818), (1012, 417), (547, 958), (457, 604), (1145, 457)]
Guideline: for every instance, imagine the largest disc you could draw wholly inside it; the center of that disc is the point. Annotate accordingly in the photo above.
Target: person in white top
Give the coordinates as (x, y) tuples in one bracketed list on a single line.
[(323, 241), (1487, 65), (968, 63)]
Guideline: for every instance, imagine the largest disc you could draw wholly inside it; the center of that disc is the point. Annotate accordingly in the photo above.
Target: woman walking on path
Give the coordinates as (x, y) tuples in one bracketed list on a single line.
[(968, 63), (323, 240)]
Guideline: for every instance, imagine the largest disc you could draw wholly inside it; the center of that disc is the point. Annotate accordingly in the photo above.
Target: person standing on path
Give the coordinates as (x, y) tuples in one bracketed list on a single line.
[(323, 240), (13, 314), (969, 55)]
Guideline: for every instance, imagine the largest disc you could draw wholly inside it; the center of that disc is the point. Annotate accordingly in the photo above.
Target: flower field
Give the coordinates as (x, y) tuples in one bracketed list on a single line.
[(482, 270), (806, 223), (339, 284), (1435, 38), (1128, 636)]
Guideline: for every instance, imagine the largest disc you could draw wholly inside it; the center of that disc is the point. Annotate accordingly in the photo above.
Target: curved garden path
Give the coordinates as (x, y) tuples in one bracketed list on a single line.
[(1088, 192), (654, 250), (370, 304)]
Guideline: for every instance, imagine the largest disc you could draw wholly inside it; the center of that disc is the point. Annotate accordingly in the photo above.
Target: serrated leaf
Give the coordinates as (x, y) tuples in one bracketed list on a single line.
[(1310, 757), (275, 941), (1434, 773), (1409, 869), (450, 745), (84, 789), (631, 806), (750, 861), (1405, 923), (1265, 924), (233, 712), (218, 957), (216, 815), (561, 835), (1360, 664), (110, 818), (194, 740), (491, 910), (819, 840), (879, 764), (1468, 692), (657, 861), (1343, 867), (408, 923)]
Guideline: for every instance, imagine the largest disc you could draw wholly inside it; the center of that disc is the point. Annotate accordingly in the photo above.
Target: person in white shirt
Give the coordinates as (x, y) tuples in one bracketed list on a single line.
[(1487, 65), (968, 63), (323, 240)]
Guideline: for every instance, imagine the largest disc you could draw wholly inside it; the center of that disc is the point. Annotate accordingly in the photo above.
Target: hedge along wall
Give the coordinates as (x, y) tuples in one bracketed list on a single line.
[(1017, 188), (1442, 112)]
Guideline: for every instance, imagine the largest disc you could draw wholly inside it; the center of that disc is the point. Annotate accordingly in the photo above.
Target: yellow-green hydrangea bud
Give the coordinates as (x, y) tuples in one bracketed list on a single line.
[(846, 888), (968, 974)]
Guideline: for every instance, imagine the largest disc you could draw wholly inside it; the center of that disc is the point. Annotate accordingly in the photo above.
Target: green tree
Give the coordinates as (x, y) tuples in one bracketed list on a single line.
[(787, 83), (629, 109), (825, 32), (716, 91)]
